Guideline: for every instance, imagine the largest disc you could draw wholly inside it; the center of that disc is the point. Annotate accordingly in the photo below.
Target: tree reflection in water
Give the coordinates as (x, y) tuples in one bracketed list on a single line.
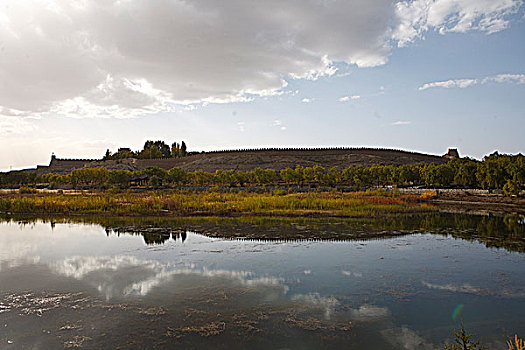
[(506, 232)]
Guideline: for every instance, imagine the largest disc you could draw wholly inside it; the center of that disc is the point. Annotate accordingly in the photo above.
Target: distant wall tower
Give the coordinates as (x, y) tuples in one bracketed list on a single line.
[(452, 153)]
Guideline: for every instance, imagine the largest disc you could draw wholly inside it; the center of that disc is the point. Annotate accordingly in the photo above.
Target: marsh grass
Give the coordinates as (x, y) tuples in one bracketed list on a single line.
[(208, 203)]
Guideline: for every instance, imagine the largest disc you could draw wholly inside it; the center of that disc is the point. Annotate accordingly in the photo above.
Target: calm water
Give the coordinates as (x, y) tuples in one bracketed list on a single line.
[(201, 283)]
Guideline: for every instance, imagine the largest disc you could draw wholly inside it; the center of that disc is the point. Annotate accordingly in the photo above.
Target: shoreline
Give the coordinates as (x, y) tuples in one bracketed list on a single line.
[(479, 204)]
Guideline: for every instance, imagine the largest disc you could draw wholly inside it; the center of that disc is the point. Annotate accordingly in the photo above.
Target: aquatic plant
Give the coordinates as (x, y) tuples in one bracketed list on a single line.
[(464, 341), (518, 344)]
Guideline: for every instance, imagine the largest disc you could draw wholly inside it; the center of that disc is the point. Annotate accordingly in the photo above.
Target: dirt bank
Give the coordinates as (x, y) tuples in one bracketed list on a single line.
[(481, 204)]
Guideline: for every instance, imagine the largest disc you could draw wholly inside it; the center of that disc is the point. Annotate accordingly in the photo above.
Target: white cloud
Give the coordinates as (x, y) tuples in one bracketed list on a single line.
[(506, 78), (348, 98), (240, 125), (127, 58), (11, 125), (279, 124), (463, 83), (306, 100), (414, 18), (402, 122), (343, 74)]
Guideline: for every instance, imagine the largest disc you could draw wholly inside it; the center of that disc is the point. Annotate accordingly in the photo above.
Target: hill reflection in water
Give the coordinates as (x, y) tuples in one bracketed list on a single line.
[(506, 232)]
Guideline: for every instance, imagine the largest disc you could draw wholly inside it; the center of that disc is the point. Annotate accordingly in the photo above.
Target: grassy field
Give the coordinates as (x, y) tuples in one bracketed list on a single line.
[(178, 203)]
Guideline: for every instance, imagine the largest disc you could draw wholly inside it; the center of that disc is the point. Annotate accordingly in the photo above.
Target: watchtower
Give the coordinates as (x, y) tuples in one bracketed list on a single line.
[(452, 153)]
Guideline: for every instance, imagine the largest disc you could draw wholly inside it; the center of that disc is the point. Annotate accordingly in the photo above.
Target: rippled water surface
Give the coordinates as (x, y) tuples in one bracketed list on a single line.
[(237, 283)]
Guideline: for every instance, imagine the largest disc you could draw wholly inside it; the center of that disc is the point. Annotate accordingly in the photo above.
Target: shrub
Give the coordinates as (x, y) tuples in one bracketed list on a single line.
[(278, 192), (114, 190), (26, 190), (430, 194)]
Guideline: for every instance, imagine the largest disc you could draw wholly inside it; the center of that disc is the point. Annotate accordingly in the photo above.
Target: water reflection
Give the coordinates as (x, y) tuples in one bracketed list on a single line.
[(494, 231), (259, 283), (127, 275)]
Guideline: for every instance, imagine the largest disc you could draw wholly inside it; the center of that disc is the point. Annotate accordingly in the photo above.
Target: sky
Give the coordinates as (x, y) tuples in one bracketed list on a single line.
[(78, 77)]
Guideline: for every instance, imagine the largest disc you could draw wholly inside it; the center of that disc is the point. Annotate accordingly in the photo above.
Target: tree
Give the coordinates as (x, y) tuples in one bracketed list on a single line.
[(348, 175), (511, 188), (318, 173), (119, 178), (408, 174), (465, 172), (177, 175), (202, 178), (155, 181), (287, 175), (240, 177), (178, 150), (491, 172), (107, 155), (155, 149), (444, 175), (308, 174), (264, 176), (333, 177), (175, 150), (160, 173)]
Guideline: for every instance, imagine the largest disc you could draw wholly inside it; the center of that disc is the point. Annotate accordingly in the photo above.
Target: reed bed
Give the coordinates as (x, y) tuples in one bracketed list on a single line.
[(207, 203)]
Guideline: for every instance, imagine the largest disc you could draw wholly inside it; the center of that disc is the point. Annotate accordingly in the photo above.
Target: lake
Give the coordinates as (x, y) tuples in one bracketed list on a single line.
[(404, 282)]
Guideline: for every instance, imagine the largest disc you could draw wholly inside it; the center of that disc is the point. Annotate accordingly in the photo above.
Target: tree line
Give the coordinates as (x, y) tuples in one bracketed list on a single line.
[(496, 171), (151, 150)]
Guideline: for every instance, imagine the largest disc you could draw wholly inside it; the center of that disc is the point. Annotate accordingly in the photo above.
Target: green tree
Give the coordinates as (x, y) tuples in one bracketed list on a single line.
[(155, 149), (465, 172), (287, 175), (119, 178), (348, 175), (160, 173), (308, 174), (241, 177), (177, 176), (511, 187), (333, 177), (155, 181), (264, 176)]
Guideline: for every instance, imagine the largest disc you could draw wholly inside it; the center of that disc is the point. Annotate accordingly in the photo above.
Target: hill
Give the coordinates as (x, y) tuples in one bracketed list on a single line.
[(245, 160)]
